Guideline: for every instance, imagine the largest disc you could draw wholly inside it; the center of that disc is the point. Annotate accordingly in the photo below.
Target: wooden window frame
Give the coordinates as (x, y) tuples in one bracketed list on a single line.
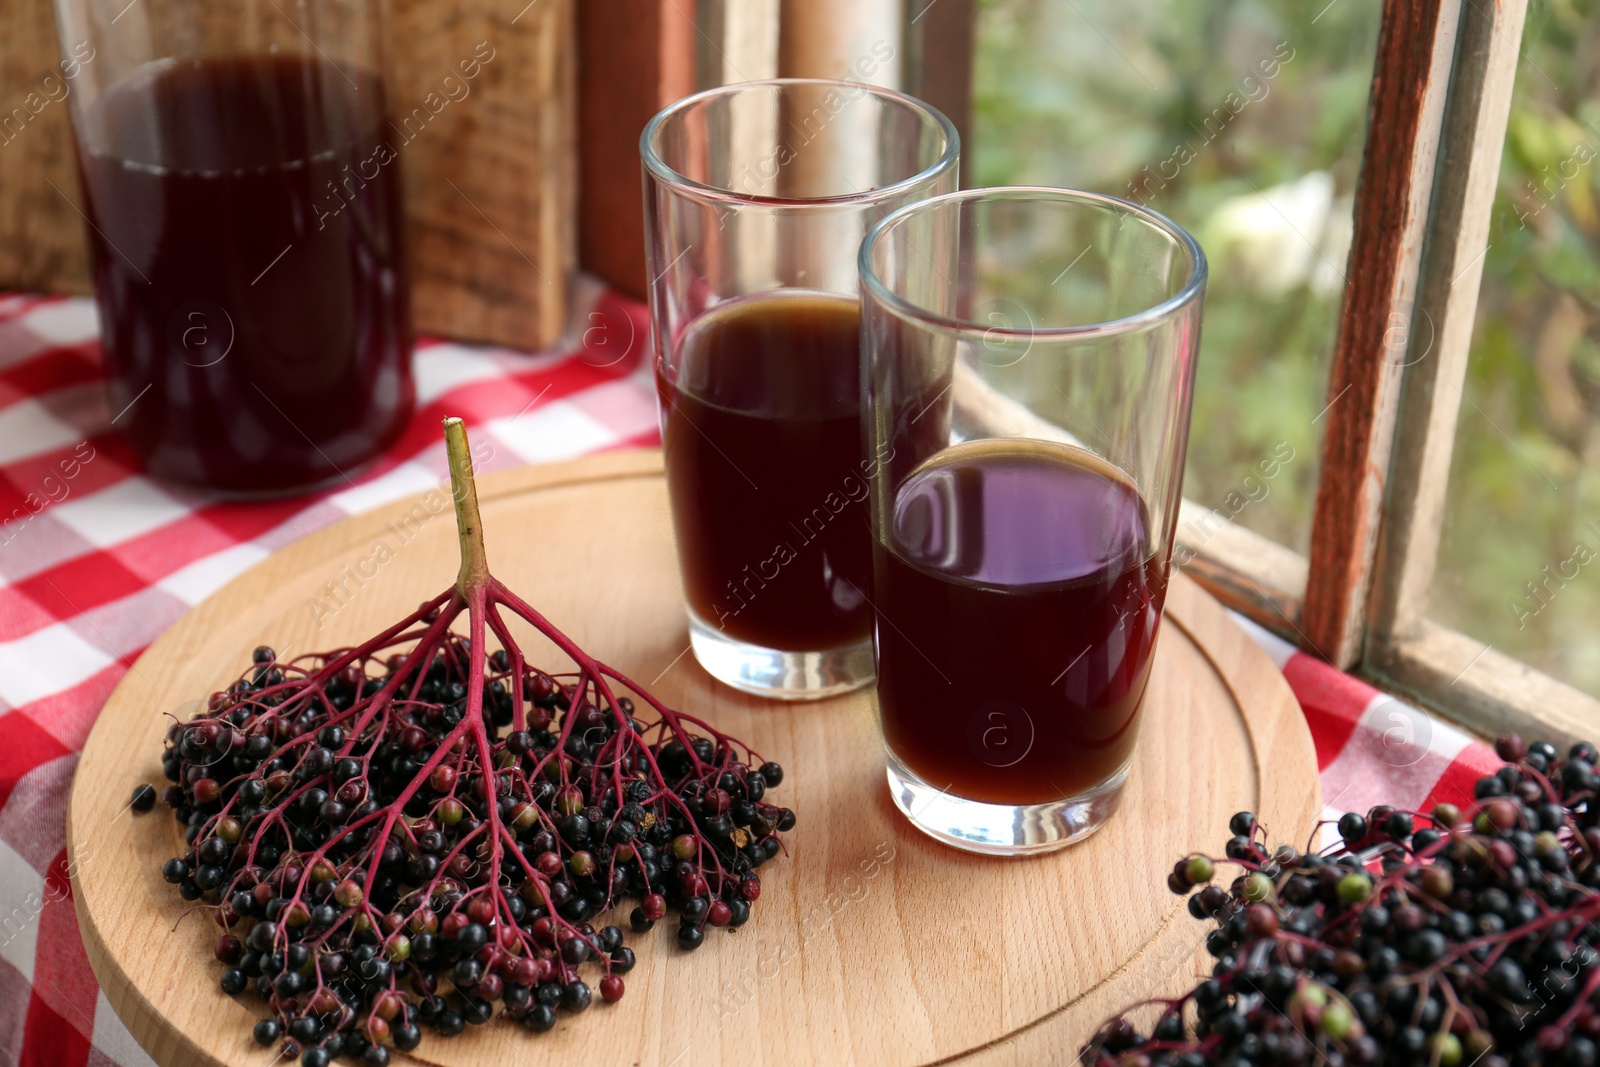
[(1320, 602), (1441, 95), (1403, 649)]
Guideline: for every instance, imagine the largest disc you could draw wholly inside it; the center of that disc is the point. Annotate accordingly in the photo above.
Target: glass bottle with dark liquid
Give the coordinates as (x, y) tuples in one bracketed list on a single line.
[(761, 427), (245, 234), (1019, 600)]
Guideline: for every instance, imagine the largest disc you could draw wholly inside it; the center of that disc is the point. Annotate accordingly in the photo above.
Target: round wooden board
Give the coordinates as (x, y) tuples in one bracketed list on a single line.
[(871, 943)]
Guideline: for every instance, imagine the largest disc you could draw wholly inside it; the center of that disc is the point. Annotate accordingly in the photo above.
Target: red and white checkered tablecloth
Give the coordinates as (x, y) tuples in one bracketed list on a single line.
[(95, 563)]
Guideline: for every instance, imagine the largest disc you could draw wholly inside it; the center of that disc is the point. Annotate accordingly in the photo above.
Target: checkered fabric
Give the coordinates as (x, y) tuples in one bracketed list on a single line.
[(96, 559)]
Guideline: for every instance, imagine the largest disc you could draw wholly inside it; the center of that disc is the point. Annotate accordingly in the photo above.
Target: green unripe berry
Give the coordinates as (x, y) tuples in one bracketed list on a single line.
[(1199, 870), (1311, 993), (1355, 887), (1257, 888), (1337, 1021)]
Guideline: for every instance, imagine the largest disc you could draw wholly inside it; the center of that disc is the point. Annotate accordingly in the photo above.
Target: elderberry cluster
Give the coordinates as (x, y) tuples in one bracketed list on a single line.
[(384, 853), (1450, 939)]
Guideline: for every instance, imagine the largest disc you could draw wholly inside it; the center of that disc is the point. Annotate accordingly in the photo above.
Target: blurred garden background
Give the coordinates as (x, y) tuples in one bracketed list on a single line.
[(1243, 120)]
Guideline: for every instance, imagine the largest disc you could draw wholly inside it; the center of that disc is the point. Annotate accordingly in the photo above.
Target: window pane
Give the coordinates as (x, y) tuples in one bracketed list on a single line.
[(1519, 565), (1243, 121)]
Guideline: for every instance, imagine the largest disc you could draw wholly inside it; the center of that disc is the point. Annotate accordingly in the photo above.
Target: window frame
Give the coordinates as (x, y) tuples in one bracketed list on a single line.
[(1406, 108), (1403, 650), (1440, 100)]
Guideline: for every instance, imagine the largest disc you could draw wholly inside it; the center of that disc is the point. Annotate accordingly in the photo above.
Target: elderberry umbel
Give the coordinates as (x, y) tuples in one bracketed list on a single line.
[(1462, 936), (423, 831)]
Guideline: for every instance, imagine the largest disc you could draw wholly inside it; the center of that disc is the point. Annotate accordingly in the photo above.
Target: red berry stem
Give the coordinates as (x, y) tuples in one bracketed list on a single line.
[(356, 819)]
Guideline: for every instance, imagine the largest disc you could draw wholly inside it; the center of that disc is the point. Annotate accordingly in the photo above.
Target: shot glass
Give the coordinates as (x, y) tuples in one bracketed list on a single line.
[(1028, 362), (757, 196)]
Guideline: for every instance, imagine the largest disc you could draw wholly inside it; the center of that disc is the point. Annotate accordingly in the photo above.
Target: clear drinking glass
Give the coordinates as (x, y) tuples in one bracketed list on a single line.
[(1028, 360), (242, 192), (757, 196)]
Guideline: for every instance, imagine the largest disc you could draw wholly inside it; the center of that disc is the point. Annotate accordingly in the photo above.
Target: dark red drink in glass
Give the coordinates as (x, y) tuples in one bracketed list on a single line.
[(1025, 571), (762, 429), (245, 233)]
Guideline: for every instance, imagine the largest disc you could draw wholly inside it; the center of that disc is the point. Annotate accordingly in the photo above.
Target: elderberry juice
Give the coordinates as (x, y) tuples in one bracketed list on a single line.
[(245, 228), (761, 427), (1018, 600)]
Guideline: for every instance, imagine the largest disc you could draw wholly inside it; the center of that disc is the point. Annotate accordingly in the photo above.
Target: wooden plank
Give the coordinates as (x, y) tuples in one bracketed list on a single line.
[(490, 182), (634, 57), (941, 45), (1484, 689), (1434, 361), (1415, 46), (859, 40), (1252, 574), (489, 258), (44, 246)]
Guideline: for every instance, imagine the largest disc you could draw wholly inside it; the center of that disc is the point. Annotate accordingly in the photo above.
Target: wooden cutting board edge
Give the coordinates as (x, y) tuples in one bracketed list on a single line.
[(1271, 715)]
